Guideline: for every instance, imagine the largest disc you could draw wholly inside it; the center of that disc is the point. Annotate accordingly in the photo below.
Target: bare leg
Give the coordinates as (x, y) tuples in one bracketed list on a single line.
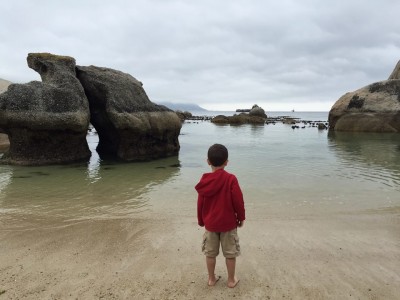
[(211, 262), (230, 266)]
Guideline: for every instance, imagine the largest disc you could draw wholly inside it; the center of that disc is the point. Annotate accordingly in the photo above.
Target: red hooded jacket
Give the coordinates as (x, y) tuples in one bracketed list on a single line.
[(220, 204)]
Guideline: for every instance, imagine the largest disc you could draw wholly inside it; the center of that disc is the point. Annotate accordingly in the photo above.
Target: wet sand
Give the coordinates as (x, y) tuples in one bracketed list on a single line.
[(338, 256)]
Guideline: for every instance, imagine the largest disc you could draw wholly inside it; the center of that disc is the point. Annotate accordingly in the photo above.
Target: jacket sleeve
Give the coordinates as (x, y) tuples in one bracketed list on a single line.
[(237, 199), (200, 203)]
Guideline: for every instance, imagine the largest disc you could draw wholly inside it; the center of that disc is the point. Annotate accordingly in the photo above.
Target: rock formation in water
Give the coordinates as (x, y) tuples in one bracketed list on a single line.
[(373, 108), (183, 115), (256, 115), (239, 119), (257, 111), (46, 121), (129, 125)]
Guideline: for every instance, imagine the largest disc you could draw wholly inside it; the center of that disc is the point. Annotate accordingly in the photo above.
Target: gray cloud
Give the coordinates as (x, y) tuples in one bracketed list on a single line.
[(220, 54)]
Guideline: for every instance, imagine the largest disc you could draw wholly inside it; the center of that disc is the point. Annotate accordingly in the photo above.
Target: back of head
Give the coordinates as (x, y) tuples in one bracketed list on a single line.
[(217, 155)]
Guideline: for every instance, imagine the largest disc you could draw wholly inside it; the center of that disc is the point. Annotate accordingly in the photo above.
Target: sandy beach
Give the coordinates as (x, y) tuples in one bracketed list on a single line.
[(340, 256)]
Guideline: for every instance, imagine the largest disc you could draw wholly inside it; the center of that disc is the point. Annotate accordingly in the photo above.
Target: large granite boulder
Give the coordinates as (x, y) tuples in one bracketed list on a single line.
[(373, 108), (130, 126), (46, 121), (257, 111)]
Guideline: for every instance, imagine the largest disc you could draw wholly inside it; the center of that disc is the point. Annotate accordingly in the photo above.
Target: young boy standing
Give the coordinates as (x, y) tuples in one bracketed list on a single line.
[(220, 208)]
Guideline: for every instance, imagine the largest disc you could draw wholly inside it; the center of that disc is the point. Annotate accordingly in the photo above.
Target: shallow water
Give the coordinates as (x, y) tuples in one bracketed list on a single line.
[(297, 172)]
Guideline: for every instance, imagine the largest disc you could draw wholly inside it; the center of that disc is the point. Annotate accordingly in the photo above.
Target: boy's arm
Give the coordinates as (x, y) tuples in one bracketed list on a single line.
[(200, 202), (238, 202)]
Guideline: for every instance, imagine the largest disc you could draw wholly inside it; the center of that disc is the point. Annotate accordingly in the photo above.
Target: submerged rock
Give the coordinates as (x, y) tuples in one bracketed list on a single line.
[(373, 108), (129, 125), (46, 121)]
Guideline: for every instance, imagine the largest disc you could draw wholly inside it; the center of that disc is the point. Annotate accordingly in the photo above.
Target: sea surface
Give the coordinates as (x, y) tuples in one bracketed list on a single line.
[(296, 172)]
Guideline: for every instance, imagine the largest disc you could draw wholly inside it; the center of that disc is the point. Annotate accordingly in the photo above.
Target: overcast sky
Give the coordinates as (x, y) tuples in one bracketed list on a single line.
[(222, 55)]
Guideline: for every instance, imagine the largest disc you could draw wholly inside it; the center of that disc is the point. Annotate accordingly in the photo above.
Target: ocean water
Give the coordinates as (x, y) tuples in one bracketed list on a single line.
[(295, 172)]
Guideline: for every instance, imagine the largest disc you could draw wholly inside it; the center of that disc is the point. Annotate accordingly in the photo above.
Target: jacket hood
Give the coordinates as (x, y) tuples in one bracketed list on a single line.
[(211, 183)]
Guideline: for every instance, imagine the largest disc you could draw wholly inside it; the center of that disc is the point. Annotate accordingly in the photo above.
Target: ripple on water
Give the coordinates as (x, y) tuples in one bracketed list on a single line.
[(279, 169), (73, 192)]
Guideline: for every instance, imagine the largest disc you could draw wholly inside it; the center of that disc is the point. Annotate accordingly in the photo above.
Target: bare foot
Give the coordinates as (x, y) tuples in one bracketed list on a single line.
[(234, 283), (213, 281)]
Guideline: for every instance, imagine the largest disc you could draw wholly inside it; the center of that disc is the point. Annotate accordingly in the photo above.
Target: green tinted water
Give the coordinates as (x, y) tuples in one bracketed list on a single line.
[(281, 170)]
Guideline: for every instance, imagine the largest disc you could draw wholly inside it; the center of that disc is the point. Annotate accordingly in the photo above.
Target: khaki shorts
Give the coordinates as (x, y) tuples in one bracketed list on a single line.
[(229, 243)]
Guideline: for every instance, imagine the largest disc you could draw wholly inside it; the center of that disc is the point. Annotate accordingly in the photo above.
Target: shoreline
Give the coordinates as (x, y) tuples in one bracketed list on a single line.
[(155, 256), (323, 220)]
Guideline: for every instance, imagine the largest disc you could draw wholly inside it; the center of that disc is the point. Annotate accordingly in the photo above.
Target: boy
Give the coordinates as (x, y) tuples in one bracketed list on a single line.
[(220, 208)]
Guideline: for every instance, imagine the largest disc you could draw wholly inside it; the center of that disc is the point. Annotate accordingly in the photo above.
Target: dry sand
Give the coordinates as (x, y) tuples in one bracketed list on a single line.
[(346, 256)]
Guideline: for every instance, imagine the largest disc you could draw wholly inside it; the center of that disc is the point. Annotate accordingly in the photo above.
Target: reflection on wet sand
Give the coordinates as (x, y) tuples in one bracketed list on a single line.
[(363, 150)]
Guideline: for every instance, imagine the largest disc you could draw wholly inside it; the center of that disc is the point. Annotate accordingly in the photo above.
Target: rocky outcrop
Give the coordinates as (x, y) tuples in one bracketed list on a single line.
[(130, 126), (46, 121), (183, 115), (373, 108), (257, 111), (255, 116), (239, 119)]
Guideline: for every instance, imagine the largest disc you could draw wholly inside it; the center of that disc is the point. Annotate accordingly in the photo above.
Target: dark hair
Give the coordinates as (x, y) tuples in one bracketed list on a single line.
[(217, 155)]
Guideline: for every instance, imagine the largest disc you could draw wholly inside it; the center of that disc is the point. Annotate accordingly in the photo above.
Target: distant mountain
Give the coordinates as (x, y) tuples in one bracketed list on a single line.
[(182, 106), (3, 85)]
